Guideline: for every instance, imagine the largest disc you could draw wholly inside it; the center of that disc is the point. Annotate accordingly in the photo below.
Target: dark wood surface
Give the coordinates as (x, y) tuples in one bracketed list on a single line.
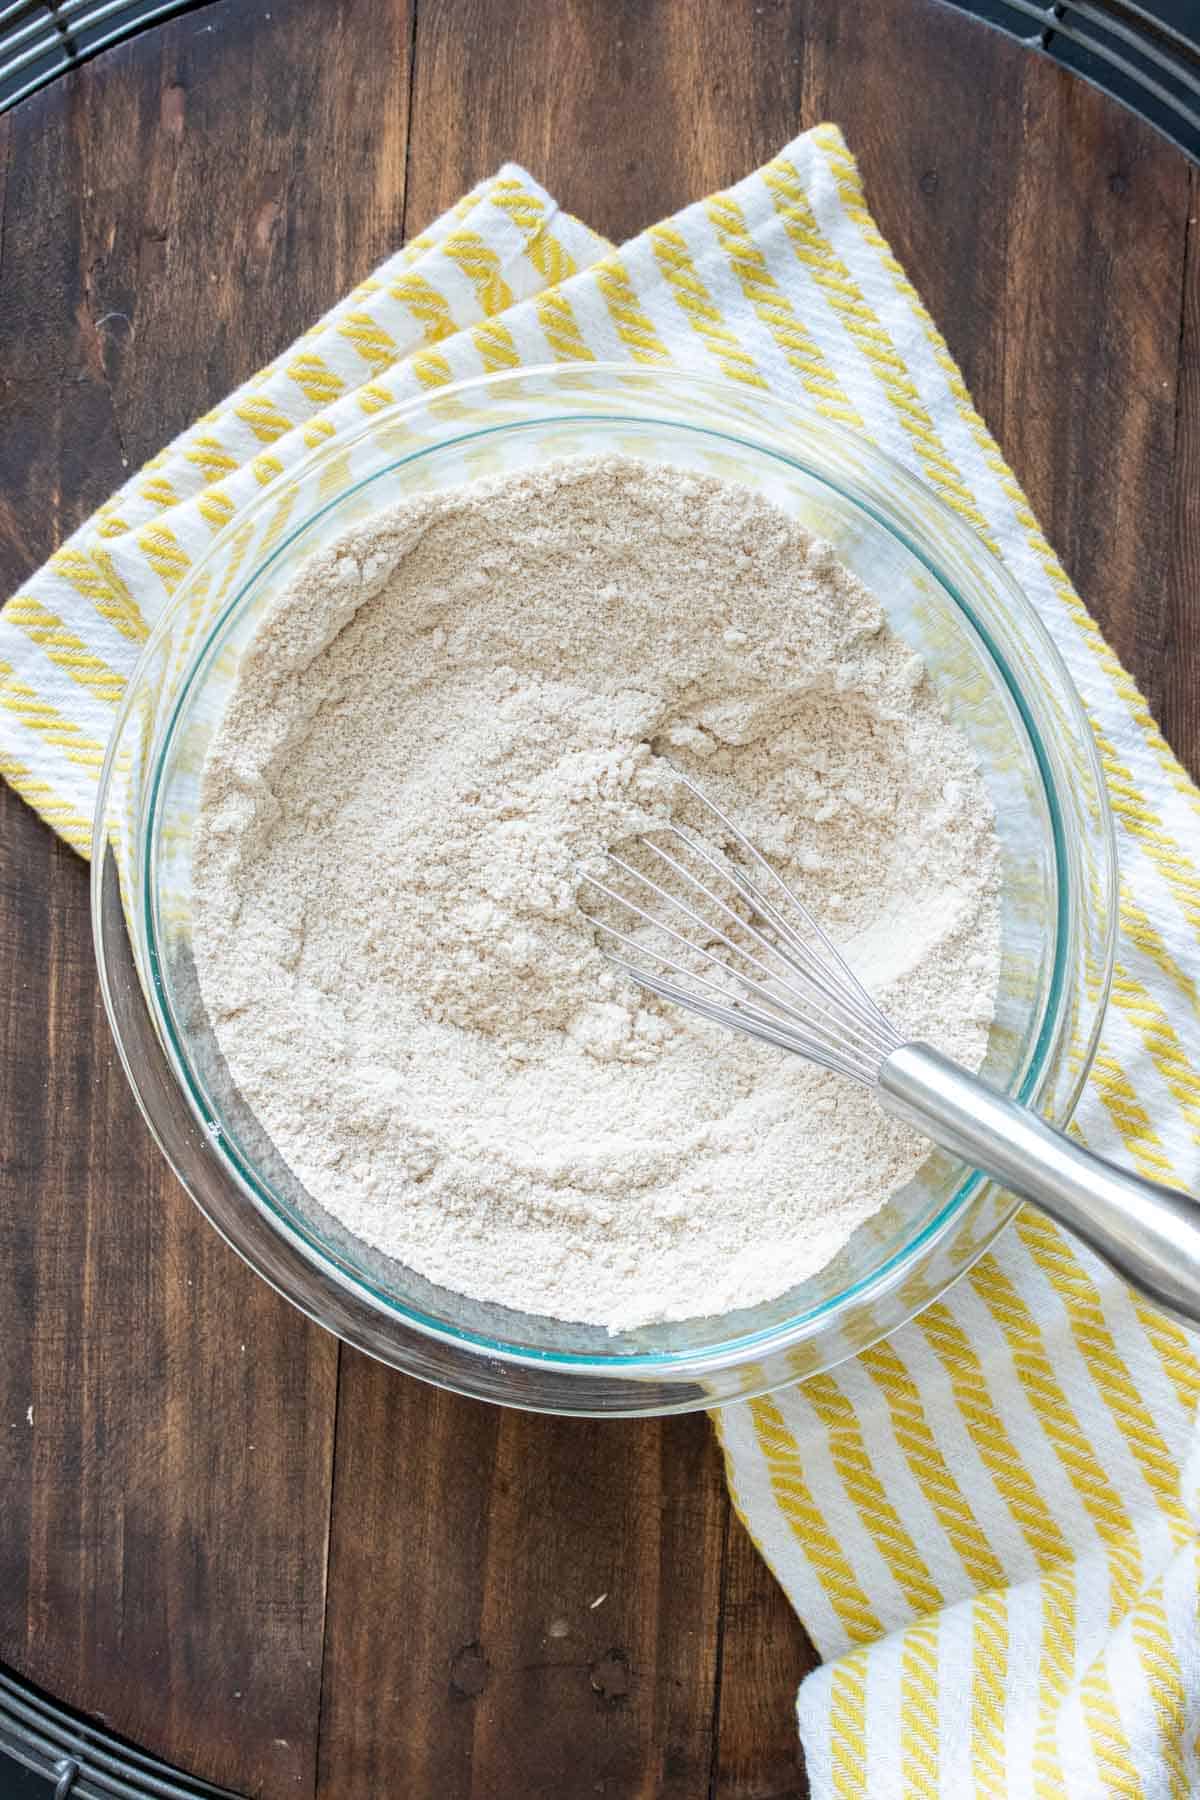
[(258, 1554)]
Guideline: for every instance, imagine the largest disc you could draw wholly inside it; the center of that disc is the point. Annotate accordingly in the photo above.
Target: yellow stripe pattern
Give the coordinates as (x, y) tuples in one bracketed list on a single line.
[(1160, 1665), (215, 508), (1100, 1498), (482, 267), (69, 824), (561, 327), (796, 1503), (377, 347), (832, 276), (848, 1726), (1174, 1350), (915, 1438), (1117, 1771), (867, 1494), (1107, 1368), (919, 1710), (430, 308), (989, 1660), (53, 728), (65, 649), (93, 578), (1138, 929), (495, 345), (552, 260), (266, 421), (208, 455), (165, 555), (1056, 1670), (1130, 1117), (988, 1433), (775, 310), (632, 326), (690, 294)]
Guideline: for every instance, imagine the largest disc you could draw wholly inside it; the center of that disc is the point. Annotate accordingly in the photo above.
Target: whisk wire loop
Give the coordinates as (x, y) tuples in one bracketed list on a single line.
[(795, 990), (846, 1029), (792, 950), (831, 967)]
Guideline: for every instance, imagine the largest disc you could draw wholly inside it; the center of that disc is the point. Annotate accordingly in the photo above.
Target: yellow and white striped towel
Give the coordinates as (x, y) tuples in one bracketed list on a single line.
[(988, 1523)]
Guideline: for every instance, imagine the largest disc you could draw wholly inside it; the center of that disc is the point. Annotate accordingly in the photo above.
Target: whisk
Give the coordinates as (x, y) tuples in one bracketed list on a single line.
[(734, 944)]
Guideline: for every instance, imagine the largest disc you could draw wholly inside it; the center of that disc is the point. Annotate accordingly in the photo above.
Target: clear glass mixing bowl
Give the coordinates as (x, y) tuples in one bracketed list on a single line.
[(1000, 679)]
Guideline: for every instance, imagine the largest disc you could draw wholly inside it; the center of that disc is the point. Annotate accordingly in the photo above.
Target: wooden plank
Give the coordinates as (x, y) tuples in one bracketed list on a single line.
[(170, 222), (166, 1444), (518, 1605), (626, 112), (1092, 285), (408, 1549), (1178, 649), (59, 451), (764, 1657), (270, 178)]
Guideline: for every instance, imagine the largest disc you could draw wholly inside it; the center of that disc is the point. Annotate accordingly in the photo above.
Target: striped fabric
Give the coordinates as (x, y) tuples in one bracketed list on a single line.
[(988, 1523)]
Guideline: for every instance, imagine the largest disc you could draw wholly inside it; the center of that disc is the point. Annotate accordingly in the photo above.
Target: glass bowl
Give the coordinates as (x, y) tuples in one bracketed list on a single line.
[(998, 676)]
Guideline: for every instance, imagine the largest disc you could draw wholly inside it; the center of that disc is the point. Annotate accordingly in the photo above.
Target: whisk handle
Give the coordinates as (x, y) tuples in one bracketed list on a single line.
[(1149, 1234)]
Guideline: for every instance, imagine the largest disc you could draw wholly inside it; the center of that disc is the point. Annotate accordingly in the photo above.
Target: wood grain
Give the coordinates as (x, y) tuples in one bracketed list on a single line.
[(1093, 285), (289, 1569), (1178, 648), (166, 1444), (518, 1604), (628, 111), (764, 1653)]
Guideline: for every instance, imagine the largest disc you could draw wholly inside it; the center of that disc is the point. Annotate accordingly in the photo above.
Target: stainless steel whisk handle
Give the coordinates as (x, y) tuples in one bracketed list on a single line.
[(1149, 1234)]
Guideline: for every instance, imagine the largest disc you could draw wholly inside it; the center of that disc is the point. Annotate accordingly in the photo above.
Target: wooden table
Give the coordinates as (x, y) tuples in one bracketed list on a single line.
[(257, 1554)]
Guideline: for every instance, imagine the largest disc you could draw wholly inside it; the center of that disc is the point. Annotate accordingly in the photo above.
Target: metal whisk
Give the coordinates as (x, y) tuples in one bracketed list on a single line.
[(734, 944)]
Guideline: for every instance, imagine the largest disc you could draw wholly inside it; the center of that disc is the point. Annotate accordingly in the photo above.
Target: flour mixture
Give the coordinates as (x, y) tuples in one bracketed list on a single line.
[(451, 709)]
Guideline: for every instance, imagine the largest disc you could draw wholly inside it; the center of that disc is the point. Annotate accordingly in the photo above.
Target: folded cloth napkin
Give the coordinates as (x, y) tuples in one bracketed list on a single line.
[(987, 1523)]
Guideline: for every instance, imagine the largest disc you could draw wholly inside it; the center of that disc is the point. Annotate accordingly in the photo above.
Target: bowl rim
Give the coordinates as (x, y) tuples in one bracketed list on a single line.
[(689, 1362)]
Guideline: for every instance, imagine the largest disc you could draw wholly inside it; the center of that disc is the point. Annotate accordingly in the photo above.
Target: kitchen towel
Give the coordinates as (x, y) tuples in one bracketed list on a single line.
[(988, 1523)]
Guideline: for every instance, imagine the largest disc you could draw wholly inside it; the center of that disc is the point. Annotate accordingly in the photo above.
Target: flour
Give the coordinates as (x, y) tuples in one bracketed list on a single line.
[(452, 709)]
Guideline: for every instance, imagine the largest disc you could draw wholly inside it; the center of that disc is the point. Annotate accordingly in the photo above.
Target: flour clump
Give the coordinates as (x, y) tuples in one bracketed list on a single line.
[(446, 715)]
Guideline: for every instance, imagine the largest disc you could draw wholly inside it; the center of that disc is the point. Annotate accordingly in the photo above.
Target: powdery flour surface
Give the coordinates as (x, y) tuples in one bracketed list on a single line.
[(451, 709)]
